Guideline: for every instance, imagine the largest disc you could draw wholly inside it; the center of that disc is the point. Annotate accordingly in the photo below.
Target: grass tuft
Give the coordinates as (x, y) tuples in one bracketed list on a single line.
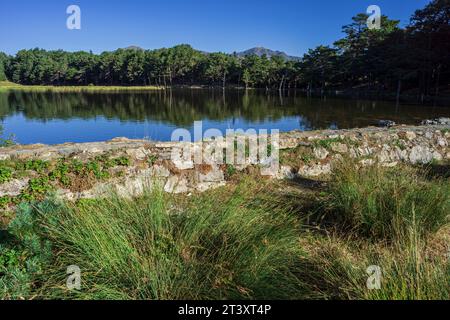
[(385, 203), (150, 248)]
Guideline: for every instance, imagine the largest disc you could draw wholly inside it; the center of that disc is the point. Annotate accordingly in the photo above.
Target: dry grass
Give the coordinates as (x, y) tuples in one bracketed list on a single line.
[(6, 85)]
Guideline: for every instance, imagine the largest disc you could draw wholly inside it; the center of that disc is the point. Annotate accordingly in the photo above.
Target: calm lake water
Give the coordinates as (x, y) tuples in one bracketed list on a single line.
[(50, 118)]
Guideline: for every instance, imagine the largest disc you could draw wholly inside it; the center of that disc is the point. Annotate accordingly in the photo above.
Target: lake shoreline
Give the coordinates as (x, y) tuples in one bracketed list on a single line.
[(283, 135), (128, 166), (40, 88)]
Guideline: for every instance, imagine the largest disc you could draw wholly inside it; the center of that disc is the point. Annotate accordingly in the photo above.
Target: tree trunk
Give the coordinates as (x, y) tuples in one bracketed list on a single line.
[(281, 84), (224, 79), (437, 80), (399, 89)]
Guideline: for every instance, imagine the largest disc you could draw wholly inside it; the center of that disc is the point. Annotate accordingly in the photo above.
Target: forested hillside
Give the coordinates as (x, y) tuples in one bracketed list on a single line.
[(413, 59)]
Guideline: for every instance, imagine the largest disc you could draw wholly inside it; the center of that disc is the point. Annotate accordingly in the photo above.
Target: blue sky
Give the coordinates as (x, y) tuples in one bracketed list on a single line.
[(292, 26)]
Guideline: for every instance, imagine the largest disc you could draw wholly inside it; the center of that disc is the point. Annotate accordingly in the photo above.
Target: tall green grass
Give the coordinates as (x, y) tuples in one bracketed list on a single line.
[(336, 268), (244, 242), (385, 203), (394, 218), (211, 247)]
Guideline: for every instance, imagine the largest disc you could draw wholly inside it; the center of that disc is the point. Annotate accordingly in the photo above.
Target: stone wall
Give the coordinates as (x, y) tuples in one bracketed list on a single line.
[(307, 154)]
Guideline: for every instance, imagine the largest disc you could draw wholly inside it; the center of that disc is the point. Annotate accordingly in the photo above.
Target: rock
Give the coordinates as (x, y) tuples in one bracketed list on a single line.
[(442, 142), (390, 164), (267, 162), (315, 170), (367, 162), (429, 135), (13, 188), (94, 150), (171, 184), (437, 156), (435, 122), (364, 151), (444, 121), (183, 164), (384, 156), (420, 154), (47, 156), (410, 135), (215, 175), (270, 166), (386, 123), (67, 194), (138, 154), (286, 172), (400, 154), (428, 122), (99, 190), (181, 159), (160, 171), (205, 186), (339, 147), (176, 184), (120, 139), (389, 147), (321, 153)]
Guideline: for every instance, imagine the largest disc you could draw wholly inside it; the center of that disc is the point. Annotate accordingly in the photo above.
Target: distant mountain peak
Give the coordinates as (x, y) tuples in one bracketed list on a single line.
[(133, 48), (260, 51)]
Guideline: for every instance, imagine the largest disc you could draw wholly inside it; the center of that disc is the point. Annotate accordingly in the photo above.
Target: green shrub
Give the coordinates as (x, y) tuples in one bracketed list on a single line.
[(5, 201), (151, 160), (5, 174), (60, 173), (35, 165), (37, 189), (24, 252), (230, 171), (122, 161)]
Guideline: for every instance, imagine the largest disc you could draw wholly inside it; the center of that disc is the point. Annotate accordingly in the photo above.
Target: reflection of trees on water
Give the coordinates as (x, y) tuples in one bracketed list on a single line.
[(183, 107)]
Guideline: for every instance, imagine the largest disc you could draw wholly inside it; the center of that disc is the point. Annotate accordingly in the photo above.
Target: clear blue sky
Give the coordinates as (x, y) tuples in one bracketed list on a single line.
[(292, 26)]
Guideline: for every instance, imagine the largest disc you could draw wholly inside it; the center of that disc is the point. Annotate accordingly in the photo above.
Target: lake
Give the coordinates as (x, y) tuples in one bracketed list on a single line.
[(51, 118)]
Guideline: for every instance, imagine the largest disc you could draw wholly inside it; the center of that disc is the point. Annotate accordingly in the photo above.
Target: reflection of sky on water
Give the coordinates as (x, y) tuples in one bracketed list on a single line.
[(78, 130)]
